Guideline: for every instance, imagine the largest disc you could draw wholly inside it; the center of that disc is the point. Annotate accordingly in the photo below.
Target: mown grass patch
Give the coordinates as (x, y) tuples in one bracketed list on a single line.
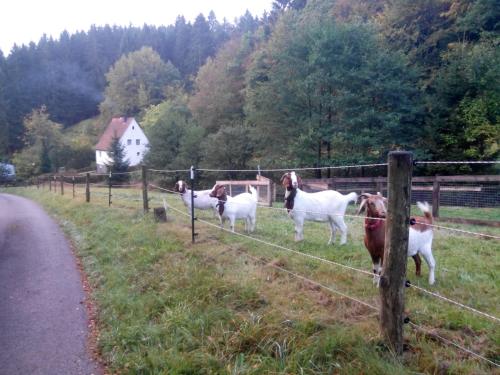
[(167, 306)]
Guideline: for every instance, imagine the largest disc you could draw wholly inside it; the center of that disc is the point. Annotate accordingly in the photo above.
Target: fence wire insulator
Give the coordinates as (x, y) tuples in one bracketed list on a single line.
[(413, 221), (407, 283), (406, 320)]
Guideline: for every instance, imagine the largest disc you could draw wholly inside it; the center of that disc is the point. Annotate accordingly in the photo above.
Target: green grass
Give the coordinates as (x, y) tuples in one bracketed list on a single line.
[(167, 306), (485, 213)]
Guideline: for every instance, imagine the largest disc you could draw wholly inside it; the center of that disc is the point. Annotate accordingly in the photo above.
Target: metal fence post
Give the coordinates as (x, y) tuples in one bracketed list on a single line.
[(191, 178), (393, 278), (145, 201)]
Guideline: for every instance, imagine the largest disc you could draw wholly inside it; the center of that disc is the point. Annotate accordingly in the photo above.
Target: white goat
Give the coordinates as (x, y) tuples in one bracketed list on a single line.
[(202, 199), (419, 241), (242, 206), (328, 205)]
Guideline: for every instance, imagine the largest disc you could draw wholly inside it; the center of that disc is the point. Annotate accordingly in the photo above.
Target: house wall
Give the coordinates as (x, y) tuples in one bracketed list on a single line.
[(134, 152), (102, 159)]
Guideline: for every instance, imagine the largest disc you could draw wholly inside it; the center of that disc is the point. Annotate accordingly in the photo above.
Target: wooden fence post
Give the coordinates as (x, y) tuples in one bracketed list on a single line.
[(61, 180), (50, 184), (55, 184), (73, 181), (87, 187), (436, 187), (145, 201), (393, 278), (109, 187)]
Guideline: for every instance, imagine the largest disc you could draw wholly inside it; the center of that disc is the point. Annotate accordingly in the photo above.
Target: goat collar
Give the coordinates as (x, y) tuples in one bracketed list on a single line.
[(373, 223), (221, 203), (290, 200)]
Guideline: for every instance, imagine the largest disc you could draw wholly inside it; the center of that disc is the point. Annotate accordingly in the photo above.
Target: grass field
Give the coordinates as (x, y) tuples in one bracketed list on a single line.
[(222, 305)]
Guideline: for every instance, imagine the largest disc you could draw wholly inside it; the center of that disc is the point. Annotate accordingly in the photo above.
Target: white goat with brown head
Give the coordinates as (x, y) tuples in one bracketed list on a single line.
[(242, 206), (420, 236), (327, 205), (202, 199)]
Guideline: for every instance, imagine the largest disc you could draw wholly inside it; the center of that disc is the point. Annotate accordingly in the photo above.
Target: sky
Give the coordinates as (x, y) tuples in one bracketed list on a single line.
[(22, 21)]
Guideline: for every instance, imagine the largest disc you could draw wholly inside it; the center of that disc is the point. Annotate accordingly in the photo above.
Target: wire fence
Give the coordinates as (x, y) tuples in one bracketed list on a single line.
[(450, 193)]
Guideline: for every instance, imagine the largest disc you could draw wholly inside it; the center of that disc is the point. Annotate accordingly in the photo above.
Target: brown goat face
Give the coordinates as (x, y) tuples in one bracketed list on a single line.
[(180, 186), (374, 205), (291, 181), (218, 191)]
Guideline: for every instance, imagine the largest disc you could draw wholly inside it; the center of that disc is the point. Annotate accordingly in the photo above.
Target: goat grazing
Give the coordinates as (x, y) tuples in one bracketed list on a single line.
[(242, 206), (202, 199), (419, 241), (327, 205)]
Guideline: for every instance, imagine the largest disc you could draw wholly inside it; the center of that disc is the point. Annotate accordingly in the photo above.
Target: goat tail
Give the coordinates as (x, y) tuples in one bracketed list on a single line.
[(426, 210), (253, 191)]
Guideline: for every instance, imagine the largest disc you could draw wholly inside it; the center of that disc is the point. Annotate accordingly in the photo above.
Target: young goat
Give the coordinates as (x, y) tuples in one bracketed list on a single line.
[(202, 199), (420, 237), (242, 206), (328, 205)]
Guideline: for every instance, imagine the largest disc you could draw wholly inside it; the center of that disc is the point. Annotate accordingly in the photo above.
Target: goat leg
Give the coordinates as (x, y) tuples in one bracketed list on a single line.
[(418, 263)]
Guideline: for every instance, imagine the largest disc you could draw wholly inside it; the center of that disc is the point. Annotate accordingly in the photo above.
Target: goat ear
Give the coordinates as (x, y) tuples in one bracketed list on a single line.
[(362, 206), (283, 178)]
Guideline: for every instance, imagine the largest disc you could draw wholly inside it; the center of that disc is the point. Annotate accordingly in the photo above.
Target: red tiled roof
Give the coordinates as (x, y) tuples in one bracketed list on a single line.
[(115, 129)]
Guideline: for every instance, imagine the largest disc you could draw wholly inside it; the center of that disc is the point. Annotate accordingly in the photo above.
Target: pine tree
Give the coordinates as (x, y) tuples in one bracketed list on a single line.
[(119, 164)]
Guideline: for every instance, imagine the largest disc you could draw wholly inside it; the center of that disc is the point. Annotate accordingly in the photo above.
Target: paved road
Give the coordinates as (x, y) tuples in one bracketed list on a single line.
[(43, 322)]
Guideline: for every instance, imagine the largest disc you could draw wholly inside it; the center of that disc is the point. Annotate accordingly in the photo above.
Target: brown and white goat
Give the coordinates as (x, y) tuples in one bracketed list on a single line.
[(242, 206), (419, 241)]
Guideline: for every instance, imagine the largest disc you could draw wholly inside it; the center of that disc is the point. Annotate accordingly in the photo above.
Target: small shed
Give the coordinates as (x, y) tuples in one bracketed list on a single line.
[(265, 188)]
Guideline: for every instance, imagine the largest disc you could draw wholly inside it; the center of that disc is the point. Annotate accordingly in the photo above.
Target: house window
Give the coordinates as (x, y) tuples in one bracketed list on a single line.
[(133, 127), (138, 153), (137, 141), (129, 141)]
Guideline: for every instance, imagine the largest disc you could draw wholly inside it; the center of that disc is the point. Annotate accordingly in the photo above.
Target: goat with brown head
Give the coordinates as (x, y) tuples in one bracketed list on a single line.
[(376, 212), (290, 182), (180, 187), (219, 192)]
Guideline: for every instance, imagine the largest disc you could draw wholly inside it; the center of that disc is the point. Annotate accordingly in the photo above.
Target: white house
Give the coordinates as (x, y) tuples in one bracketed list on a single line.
[(132, 138)]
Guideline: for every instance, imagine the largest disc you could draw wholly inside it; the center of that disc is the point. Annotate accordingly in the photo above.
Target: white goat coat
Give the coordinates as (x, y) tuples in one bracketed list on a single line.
[(421, 242), (202, 200), (328, 205), (242, 206)]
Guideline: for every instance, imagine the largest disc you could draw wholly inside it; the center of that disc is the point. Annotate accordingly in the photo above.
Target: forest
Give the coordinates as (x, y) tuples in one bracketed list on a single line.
[(311, 83)]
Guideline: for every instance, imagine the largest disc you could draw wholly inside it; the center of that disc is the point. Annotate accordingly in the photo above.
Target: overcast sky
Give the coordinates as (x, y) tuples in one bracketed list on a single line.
[(22, 21)]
